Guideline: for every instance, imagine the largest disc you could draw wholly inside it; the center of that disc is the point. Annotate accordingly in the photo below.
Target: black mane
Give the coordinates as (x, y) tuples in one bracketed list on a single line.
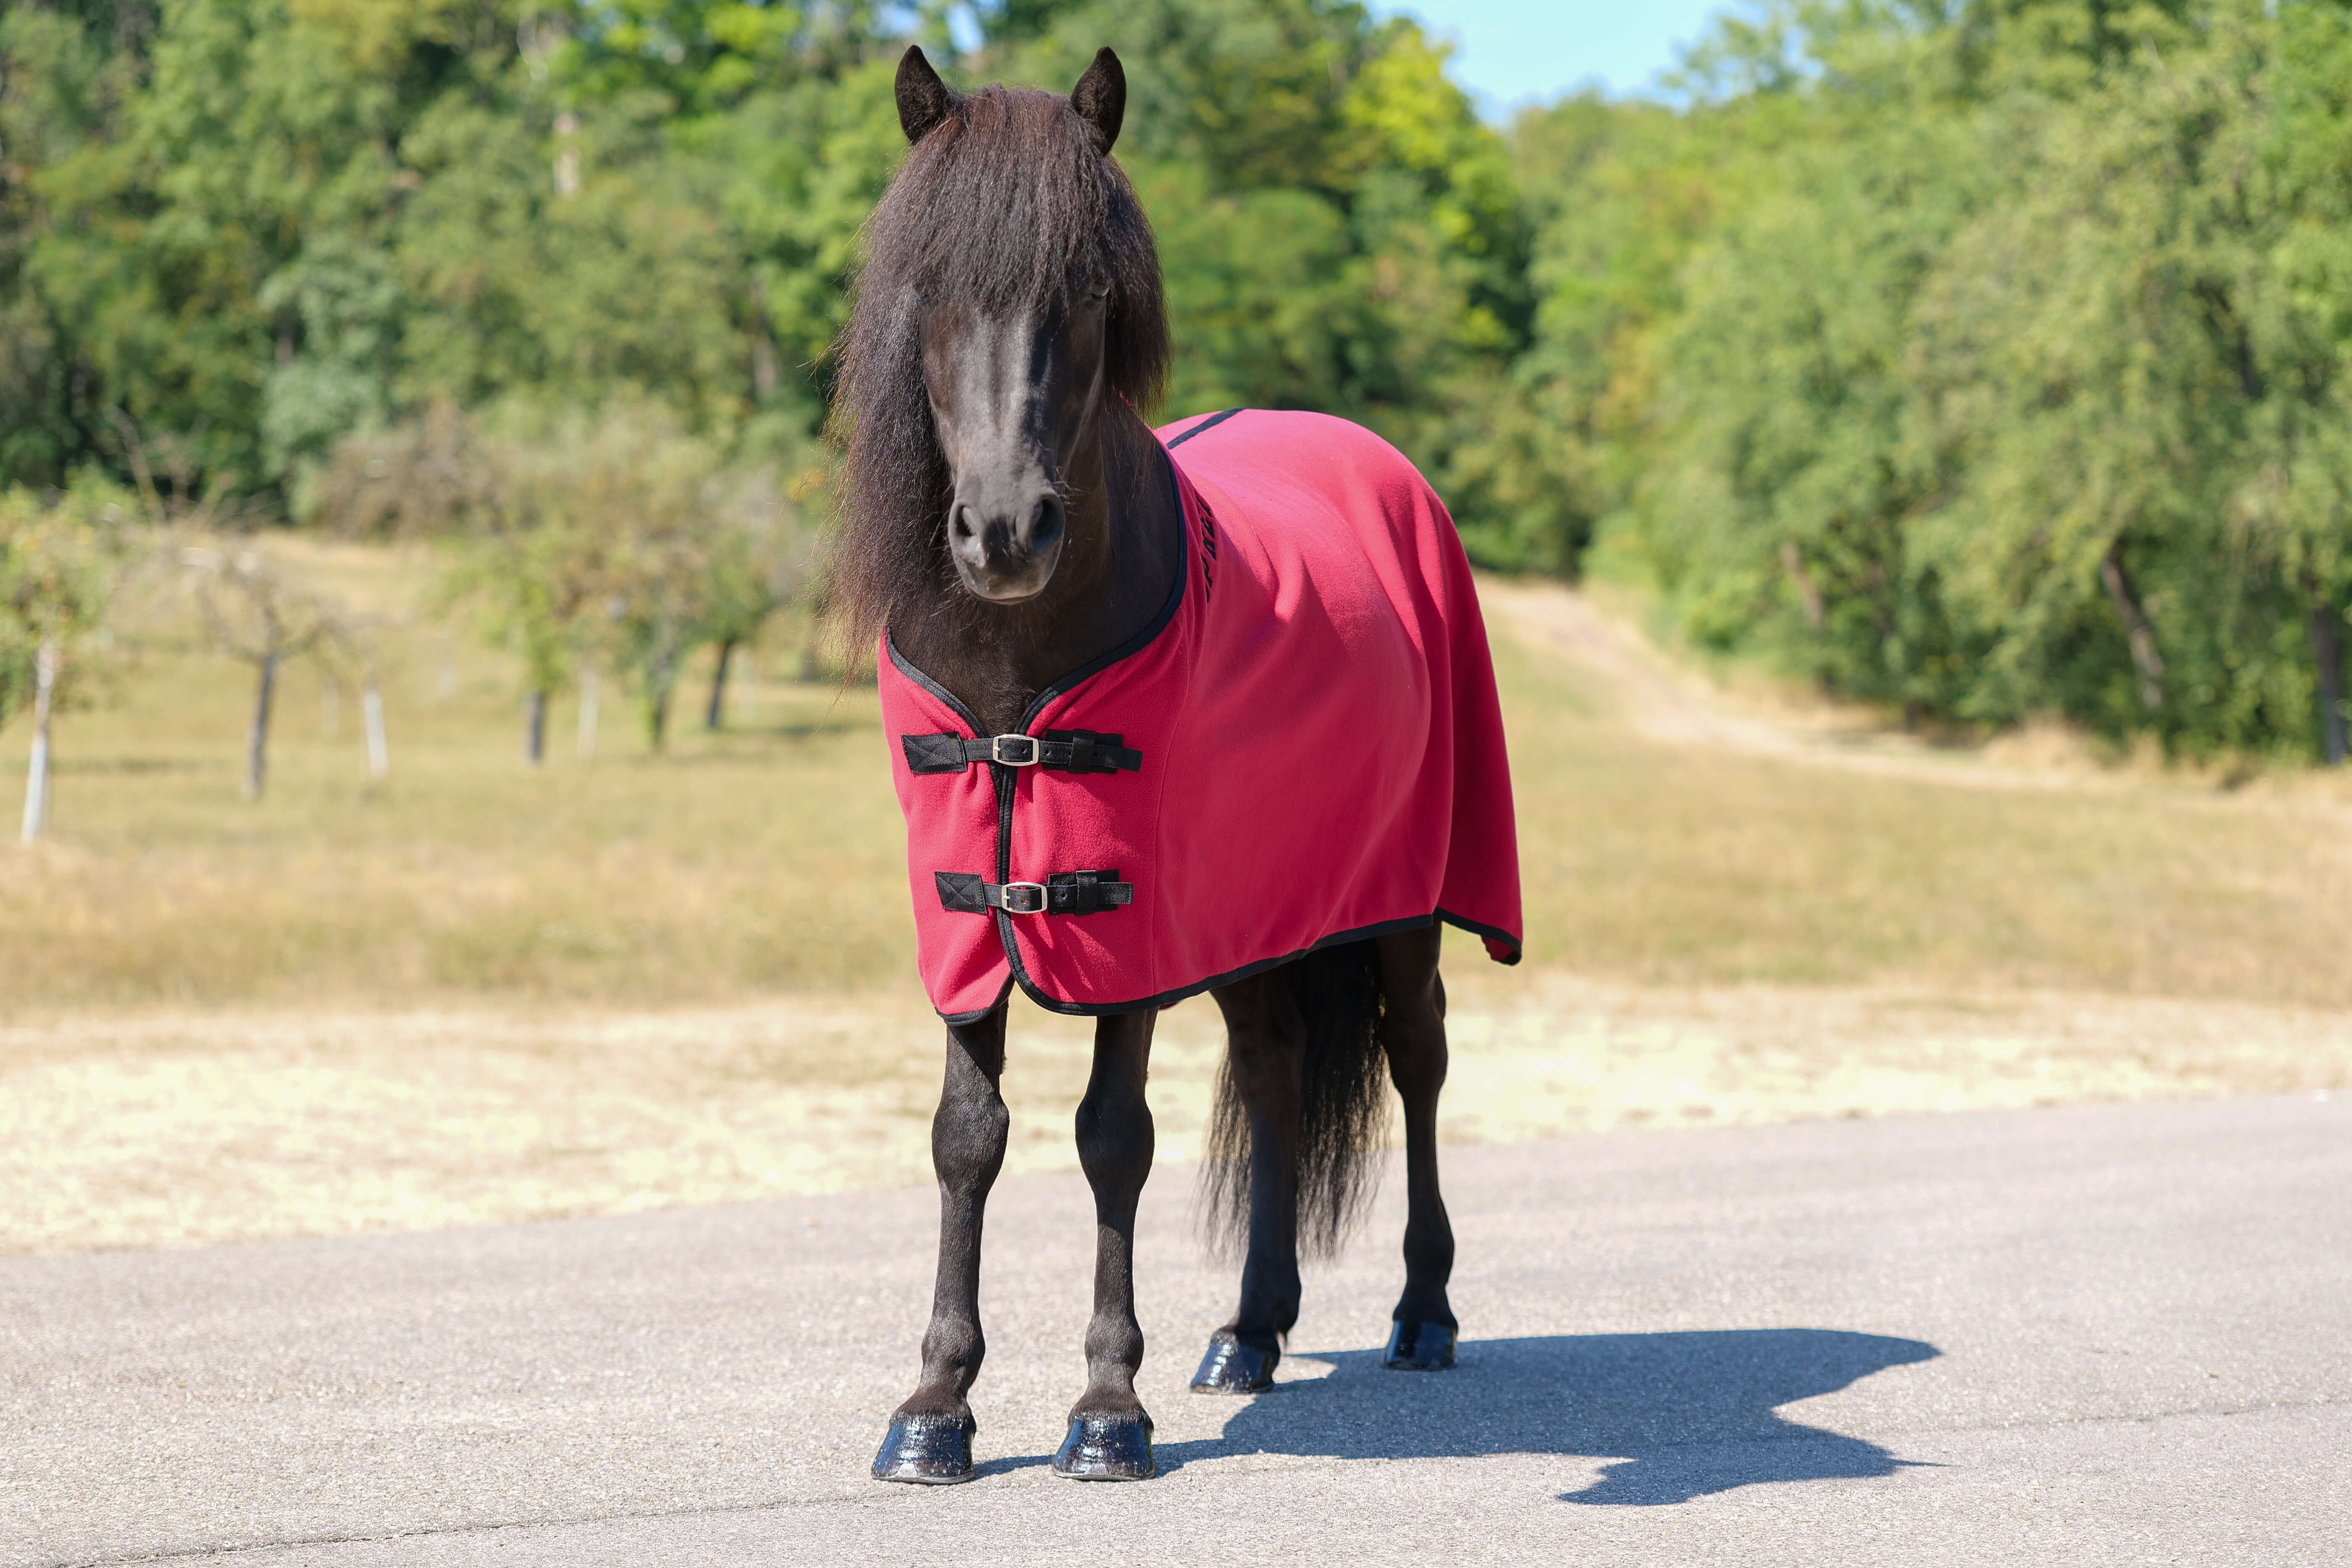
[(998, 207)]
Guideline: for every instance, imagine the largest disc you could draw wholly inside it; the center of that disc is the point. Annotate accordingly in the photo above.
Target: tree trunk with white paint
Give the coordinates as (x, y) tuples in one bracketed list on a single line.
[(36, 770)]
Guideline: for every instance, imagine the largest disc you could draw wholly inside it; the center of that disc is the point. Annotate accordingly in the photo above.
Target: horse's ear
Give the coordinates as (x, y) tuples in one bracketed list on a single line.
[(1100, 99), (923, 99)]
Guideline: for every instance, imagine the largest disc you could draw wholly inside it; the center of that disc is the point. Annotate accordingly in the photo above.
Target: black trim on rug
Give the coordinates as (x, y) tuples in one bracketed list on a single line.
[(1211, 423), (1142, 640), (1127, 649), (1475, 928), (890, 646), (1170, 998), (957, 1020)]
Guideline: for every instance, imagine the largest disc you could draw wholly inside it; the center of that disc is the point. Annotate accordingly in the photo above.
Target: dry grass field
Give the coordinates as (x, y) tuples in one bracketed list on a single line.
[(756, 859), (476, 991)]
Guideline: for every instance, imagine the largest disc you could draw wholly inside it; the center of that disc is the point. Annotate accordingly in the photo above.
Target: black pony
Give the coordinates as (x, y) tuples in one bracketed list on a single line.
[(1008, 518)]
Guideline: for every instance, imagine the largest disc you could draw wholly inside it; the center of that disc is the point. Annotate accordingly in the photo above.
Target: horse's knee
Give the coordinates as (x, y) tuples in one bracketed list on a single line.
[(1413, 1035), (968, 1133), (1115, 1140)]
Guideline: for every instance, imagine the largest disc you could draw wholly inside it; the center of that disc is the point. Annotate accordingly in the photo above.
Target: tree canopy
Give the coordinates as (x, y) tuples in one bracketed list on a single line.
[(1979, 358)]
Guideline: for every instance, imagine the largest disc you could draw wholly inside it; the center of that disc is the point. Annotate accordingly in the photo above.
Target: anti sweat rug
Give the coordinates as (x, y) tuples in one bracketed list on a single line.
[(1304, 748)]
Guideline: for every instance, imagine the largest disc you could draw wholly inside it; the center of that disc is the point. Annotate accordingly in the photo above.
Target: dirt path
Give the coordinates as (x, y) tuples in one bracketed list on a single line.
[(185, 1129), (1676, 707)]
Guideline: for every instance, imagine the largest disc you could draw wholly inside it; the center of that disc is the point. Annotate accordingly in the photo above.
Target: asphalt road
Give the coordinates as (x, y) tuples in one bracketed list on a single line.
[(2093, 1335)]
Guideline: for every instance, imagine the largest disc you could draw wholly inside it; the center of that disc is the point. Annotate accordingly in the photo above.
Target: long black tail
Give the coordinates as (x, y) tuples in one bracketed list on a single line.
[(1343, 1109)]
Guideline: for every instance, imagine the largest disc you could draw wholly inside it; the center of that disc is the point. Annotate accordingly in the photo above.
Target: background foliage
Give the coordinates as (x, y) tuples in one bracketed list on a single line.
[(1981, 358)]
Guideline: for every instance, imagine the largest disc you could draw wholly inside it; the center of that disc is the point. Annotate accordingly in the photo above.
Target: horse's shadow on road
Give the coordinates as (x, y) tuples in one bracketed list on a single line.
[(1682, 1414)]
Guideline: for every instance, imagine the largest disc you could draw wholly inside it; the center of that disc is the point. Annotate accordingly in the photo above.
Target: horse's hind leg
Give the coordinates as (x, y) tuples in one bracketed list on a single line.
[(1266, 1057), (931, 1434), (1111, 1435), (1413, 1030)]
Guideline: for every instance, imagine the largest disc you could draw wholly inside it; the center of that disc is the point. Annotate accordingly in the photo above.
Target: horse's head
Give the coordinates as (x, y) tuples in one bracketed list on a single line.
[(1033, 256)]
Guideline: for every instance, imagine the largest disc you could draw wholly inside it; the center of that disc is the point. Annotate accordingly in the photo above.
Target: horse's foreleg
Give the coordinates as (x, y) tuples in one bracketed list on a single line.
[(1110, 1433), (1413, 1032), (1266, 1055), (931, 1434)]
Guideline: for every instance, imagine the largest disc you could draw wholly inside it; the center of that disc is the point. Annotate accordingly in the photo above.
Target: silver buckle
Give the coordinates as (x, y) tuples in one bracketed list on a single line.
[(1006, 890), (996, 744)]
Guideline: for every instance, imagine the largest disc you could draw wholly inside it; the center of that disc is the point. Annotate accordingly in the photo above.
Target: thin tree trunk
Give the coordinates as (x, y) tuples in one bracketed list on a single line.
[(657, 715), (1794, 565), (661, 684), (37, 771), (256, 739), (589, 684), (2141, 635), (378, 749), (136, 451), (661, 680), (763, 347), (718, 708), (534, 728), (2327, 655)]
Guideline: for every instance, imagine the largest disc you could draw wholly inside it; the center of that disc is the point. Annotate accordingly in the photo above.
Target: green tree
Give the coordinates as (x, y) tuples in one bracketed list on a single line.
[(1337, 230), (57, 559), (1980, 365)]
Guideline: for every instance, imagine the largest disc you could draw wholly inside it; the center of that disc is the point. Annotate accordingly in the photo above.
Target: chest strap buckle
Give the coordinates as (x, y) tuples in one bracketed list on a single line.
[(1063, 893), (1059, 751)]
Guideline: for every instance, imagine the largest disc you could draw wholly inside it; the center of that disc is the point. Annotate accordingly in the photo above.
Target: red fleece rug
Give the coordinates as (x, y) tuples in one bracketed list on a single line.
[(1304, 748)]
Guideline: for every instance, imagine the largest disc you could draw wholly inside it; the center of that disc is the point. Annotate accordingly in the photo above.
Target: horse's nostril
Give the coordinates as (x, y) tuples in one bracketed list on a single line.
[(1045, 520), (960, 521)]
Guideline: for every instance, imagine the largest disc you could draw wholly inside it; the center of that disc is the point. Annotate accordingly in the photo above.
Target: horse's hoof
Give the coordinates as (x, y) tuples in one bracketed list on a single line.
[(1107, 1448), (929, 1450), (1419, 1347), (1232, 1367)]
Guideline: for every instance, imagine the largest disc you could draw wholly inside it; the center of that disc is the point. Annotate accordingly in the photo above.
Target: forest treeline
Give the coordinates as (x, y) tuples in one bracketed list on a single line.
[(1978, 358)]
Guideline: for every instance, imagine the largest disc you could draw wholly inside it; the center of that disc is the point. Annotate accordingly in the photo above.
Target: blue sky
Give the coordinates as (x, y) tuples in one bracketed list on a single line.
[(1512, 52)]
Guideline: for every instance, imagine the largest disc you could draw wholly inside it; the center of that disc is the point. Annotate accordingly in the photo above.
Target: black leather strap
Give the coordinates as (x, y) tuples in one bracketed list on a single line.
[(1087, 752), (1064, 893), (934, 754), (1064, 751)]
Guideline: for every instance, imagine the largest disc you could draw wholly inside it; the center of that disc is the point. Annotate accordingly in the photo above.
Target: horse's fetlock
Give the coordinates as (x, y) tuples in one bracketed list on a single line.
[(1425, 1304), (1428, 1245), (1111, 1402), (1115, 1342), (954, 1344)]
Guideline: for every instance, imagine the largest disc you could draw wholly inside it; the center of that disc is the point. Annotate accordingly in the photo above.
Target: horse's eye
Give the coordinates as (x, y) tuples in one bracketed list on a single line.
[(1099, 290)]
